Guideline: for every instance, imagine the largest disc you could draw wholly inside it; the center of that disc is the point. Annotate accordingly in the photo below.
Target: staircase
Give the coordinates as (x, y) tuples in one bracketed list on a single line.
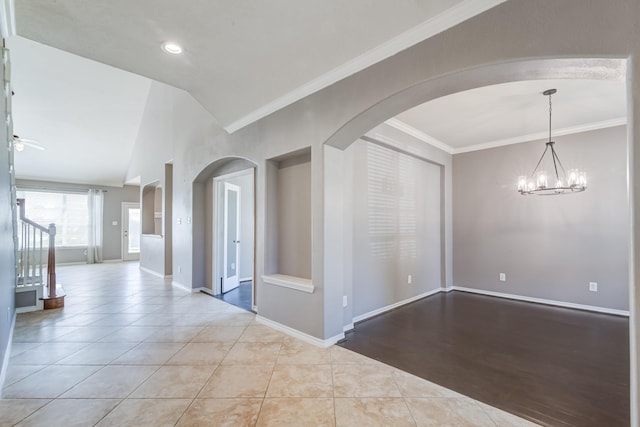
[(34, 240)]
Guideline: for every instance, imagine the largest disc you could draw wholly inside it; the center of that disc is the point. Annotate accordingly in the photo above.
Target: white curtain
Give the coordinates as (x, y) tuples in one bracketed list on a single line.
[(94, 248)]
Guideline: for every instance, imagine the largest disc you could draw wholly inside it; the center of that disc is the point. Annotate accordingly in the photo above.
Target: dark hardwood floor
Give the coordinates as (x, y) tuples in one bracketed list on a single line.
[(240, 296), (551, 365)]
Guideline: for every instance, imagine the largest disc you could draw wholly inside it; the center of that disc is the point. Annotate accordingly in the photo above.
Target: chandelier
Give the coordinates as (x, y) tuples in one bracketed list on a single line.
[(538, 183)]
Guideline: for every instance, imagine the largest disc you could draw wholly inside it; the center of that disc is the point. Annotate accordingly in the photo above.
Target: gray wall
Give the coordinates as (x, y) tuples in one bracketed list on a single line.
[(549, 247), (7, 248), (294, 217), (396, 226), (112, 234)]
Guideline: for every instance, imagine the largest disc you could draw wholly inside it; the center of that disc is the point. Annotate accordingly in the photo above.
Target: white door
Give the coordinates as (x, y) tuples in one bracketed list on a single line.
[(131, 231), (231, 242)]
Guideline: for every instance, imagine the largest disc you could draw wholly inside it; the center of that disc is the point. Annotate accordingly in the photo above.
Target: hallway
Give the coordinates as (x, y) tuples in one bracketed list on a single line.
[(129, 349)]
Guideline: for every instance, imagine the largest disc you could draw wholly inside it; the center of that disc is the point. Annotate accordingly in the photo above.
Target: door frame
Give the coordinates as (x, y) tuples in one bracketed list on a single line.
[(228, 187), (123, 241), (218, 228)]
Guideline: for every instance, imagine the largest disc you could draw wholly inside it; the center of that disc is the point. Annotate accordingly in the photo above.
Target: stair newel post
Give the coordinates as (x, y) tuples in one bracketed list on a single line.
[(51, 262)]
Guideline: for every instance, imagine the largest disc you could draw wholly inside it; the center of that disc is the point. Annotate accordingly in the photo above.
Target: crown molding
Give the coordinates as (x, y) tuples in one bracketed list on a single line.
[(8, 20), (418, 134), (543, 135), (437, 24)]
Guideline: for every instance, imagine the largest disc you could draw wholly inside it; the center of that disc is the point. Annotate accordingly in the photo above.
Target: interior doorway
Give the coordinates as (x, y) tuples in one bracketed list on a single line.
[(131, 231), (233, 240)]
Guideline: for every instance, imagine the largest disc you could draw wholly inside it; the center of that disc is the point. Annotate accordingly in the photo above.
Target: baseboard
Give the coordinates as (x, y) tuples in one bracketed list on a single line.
[(155, 273), (207, 291), (395, 305), (448, 289), (185, 287), (7, 355), (245, 279), (349, 327), (168, 276), (544, 301), (300, 335), (107, 261), (65, 264)]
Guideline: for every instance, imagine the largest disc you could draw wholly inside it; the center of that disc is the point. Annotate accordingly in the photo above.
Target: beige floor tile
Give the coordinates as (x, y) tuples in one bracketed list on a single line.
[(13, 411), (16, 373), (297, 352), (219, 334), (231, 319), (238, 381), (301, 381), (50, 382), (21, 347), (174, 334), (91, 334), (201, 353), (70, 413), (296, 412), (221, 413), (504, 419), (133, 334), (364, 381), (247, 353), (261, 333), (372, 411), (120, 319), (46, 355), (149, 354), (412, 386), (100, 353), (111, 382), (438, 411), (342, 356), (174, 382), (146, 412)]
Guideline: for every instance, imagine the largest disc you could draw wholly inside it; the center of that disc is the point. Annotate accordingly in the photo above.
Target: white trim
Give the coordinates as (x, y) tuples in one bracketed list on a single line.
[(254, 308), (185, 287), (7, 355), (395, 305), (169, 276), (291, 282), (64, 264), (447, 290), (107, 261), (418, 134), (298, 334), (155, 273), (8, 21), (429, 28), (544, 301), (206, 291), (245, 279), (348, 327), (542, 135)]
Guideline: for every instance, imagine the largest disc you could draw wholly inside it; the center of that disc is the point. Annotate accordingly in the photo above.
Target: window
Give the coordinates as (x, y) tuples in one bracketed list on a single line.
[(68, 211)]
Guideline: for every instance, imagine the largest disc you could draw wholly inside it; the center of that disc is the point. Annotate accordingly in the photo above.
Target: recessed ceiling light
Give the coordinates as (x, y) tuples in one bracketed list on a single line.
[(172, 48)]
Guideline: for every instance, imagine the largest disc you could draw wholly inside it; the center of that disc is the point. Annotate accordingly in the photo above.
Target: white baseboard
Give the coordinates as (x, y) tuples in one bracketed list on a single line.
[(66, 264), (107, 261), (207, 291), (298, 334), (245, 279), (544, 301), (7, 355), (449, 289), (395, 305), (348, 327), (185, 287), (169, 276), (155, 273)]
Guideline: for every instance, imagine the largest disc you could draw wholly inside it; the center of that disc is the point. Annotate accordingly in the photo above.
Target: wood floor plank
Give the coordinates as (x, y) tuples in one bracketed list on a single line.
[(551, 365)]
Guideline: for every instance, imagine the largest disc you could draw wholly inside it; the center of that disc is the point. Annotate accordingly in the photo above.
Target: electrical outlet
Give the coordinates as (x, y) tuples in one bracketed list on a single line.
[(503, 277), (344, 300), (409, 279), (593, 286), (179, 269)]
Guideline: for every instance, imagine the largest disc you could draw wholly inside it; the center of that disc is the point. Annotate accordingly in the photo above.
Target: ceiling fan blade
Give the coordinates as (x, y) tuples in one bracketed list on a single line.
[(32, 144)]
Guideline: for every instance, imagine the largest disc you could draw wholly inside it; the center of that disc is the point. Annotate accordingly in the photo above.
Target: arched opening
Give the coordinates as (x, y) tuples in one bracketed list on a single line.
[(223, 231)]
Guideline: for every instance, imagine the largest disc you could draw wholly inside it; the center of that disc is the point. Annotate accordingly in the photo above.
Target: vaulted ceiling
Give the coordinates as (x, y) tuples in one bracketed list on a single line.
[(82, 70)]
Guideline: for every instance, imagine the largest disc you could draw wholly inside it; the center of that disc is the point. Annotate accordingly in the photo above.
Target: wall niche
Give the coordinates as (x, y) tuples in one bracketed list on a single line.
[(152, 209)]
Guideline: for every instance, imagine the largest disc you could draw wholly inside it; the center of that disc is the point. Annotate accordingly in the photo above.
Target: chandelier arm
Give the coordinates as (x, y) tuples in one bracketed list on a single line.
[(540, 161), (555, 155)]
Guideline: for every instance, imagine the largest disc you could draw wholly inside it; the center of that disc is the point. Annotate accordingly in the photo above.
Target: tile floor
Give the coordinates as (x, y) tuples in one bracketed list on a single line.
[(129, 349)]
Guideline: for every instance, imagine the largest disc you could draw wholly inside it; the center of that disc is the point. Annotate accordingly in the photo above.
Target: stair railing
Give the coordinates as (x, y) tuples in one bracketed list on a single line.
[(31, 253)]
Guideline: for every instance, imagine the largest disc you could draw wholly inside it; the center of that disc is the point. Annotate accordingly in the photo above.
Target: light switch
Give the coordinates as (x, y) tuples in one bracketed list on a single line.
[(114, 223)]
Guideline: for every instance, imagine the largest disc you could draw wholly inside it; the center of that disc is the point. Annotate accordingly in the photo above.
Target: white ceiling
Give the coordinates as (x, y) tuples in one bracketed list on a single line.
[(242, 61), (515, 112), (84, 113)]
